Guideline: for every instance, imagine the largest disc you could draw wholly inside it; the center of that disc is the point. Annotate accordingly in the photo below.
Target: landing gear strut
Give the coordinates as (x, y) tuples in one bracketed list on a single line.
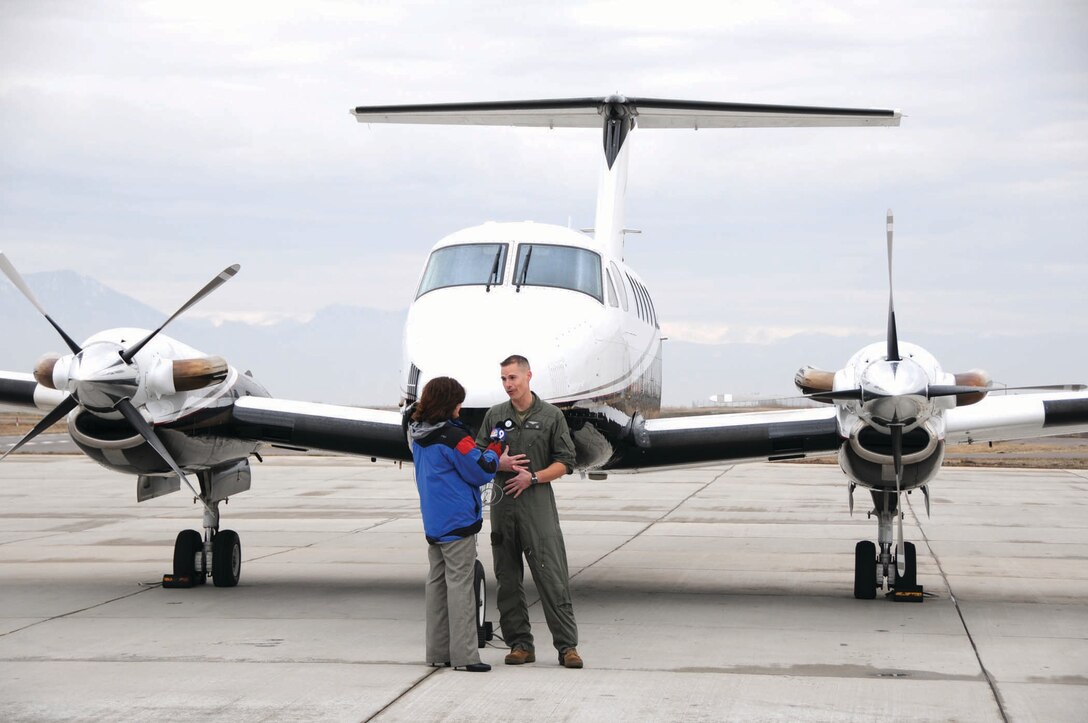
[(872, 570)]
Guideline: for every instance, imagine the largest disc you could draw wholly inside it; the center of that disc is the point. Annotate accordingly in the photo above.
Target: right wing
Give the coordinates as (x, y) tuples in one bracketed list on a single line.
[(20, 391), (328, 427)]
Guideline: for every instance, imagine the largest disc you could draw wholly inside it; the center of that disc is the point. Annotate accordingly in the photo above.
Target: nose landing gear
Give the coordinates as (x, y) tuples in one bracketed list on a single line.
[(872, 571)]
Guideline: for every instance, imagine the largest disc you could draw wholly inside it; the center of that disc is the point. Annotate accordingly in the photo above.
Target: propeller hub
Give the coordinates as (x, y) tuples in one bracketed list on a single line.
[(894, 390), (99, 378)]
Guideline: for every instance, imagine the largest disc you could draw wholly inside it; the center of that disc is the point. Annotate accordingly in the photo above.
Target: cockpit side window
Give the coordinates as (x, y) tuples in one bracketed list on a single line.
[(564, 267), (465, 265)]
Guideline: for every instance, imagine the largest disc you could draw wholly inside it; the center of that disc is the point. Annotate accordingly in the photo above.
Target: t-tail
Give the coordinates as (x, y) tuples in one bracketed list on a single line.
[(618, 116)]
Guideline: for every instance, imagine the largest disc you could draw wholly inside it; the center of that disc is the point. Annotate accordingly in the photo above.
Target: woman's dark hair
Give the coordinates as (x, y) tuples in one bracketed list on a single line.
[(440, 397)]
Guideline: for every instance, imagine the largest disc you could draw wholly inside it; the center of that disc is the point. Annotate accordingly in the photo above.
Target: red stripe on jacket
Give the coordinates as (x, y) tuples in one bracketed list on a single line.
[(466, 445)]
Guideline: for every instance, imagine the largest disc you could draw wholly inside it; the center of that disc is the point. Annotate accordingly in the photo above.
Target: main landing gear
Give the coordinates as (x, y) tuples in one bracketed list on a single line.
[(217, 553), (873, 569)]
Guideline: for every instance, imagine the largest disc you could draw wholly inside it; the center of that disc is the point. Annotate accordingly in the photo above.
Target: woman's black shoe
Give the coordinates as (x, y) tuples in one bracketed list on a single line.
[(475, 667)]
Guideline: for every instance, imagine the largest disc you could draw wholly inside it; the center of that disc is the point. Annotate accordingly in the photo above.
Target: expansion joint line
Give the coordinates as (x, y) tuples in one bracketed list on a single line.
[(963, 621), (664, 515), (76, 612), (405, 692), (648, 526)]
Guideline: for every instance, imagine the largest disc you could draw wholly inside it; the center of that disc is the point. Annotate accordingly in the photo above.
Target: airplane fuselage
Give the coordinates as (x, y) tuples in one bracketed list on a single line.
[(584, 320)]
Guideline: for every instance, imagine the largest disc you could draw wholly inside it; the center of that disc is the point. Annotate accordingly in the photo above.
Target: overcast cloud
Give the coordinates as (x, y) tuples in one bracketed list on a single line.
[(150, 144)]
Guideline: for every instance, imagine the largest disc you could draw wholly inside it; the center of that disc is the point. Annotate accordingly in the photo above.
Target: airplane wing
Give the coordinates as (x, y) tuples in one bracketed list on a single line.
[(303, 425), (20, 391), (1017, 416), (748, 436), (328, 427), (648, 113)]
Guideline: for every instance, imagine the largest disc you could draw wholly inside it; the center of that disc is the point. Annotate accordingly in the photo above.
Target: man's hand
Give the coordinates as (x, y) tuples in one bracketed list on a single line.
[(513, 462), (518, 483)]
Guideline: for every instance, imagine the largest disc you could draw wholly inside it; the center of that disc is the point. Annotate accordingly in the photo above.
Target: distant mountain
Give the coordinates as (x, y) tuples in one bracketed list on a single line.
[(351, 355), (344, 355)]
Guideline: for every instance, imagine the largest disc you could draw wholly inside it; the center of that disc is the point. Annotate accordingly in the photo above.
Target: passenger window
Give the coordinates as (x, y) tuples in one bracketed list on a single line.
[(611, 288), (620, 290), (638, 296)]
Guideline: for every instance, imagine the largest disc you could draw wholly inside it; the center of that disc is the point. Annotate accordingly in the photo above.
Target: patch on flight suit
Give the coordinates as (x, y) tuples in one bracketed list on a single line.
[(533, 424)]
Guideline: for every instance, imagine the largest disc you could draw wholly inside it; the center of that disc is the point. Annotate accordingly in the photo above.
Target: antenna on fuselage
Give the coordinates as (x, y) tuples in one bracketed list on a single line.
[(618, 116)]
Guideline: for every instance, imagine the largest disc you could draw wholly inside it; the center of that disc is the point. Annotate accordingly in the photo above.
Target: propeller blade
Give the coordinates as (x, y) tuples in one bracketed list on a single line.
[(1043, 388), (900, 546), (48, 421), (952, 390), (841, 394), (129, 411), (16, 279), (896, 430), (211, 286), (893, 336)]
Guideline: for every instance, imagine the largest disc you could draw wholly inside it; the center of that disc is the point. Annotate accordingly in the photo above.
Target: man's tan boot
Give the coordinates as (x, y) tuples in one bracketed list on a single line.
[(520, 656), (569, 658)]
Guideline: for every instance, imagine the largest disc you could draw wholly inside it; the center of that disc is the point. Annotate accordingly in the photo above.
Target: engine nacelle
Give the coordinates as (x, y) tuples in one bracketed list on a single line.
[(115, 445), (866, 458)]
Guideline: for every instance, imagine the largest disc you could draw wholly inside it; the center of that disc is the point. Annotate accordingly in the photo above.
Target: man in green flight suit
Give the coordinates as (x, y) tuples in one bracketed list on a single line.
[(525, 520)]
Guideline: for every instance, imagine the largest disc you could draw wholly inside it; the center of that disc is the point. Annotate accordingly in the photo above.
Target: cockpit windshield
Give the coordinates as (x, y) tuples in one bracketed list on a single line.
[(466, 265), (564, 267)]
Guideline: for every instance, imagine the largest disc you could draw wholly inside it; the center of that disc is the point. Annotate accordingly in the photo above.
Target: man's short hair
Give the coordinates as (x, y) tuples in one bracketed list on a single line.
[(515, 359)]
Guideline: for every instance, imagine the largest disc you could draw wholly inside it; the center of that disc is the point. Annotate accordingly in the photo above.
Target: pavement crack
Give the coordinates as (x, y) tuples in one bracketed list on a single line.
[(963, 621), (663, 516), (76, 612)]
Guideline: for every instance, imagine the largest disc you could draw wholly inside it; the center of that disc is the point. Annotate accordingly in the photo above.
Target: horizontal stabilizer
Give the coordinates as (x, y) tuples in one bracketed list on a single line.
[(647, 113)]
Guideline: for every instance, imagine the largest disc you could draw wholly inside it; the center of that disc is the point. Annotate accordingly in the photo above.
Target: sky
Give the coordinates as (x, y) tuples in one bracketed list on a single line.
[(151, 144)]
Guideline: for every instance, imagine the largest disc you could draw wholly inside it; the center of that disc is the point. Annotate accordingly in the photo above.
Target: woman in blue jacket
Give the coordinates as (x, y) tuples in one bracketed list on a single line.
[(450, 470)]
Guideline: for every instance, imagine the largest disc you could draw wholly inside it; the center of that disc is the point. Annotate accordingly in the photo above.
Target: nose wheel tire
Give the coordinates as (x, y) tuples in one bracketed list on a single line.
[(226, 558), (865, 570)]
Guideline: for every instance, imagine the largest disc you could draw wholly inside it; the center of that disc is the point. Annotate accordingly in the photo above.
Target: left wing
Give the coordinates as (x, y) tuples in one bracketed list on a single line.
[(744, 437), (1018, 416)]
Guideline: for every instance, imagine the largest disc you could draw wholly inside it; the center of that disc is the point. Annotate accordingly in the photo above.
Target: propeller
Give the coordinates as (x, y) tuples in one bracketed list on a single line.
[(117, 392)]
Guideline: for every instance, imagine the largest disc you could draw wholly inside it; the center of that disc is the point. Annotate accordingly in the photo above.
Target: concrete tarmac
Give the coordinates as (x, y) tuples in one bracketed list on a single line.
[(722, 593)]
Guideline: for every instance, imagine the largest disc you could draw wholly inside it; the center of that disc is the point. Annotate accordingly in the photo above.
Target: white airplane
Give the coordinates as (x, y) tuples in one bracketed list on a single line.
[(141, 403)]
